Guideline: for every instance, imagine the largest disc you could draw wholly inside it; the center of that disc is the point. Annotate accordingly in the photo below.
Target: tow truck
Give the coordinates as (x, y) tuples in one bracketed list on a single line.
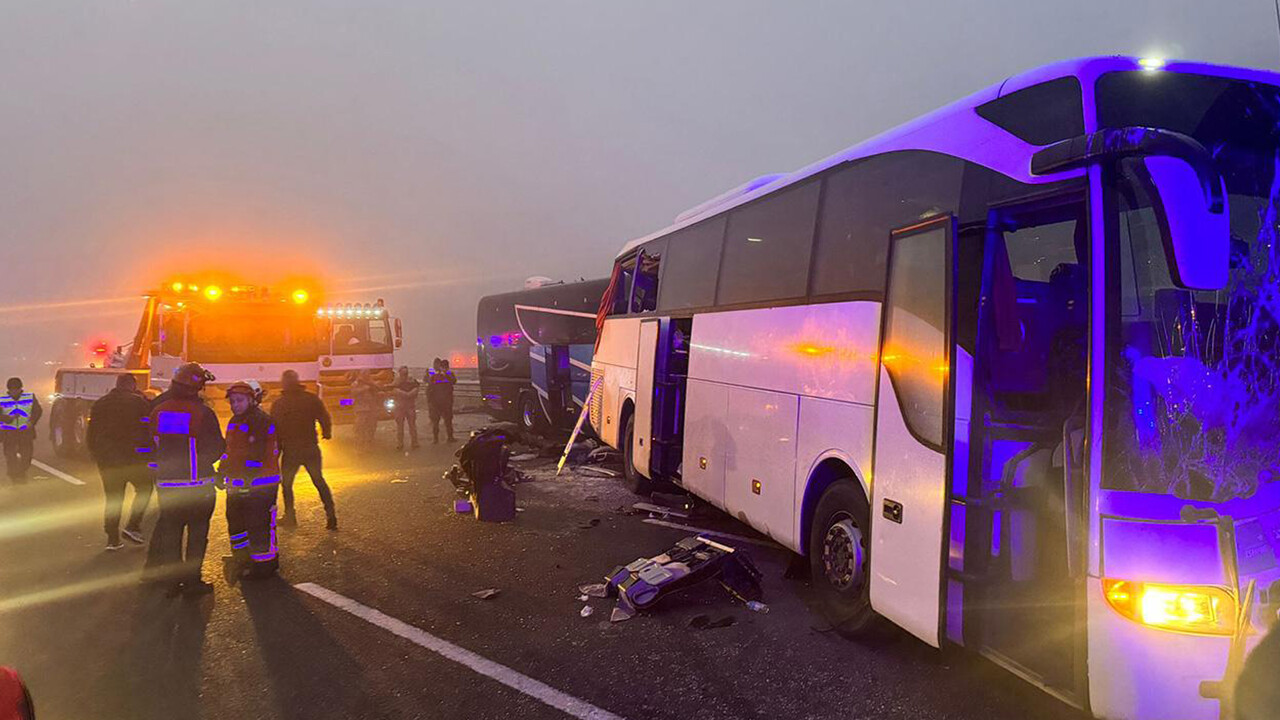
[(236, 331), (355, 338)]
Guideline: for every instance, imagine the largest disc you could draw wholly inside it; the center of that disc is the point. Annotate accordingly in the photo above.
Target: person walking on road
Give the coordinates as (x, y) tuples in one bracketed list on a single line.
[(119, 439), (296, 413), (440, 382), (19, 413), (188, 442), (406, 408), (250, 473)]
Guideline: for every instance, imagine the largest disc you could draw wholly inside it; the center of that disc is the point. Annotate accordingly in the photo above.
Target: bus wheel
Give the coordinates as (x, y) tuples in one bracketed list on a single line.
[(634, 481), (838, 558), (531, 413)]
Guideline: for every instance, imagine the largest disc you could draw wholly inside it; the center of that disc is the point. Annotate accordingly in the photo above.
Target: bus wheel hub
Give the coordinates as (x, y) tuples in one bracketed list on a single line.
[(842, 555)]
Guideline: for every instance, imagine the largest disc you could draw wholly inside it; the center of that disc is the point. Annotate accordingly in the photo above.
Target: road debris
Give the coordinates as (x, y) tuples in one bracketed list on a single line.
[(586, 611), (757, 606), (486, 594), (595, 590), (660, 510), (593, 522), (398, 481), (483, 477), (592, 471), (642, 583), (621, 614)]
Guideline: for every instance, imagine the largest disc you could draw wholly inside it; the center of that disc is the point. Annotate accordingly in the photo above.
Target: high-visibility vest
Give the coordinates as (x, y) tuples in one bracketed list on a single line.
[(16, 414)]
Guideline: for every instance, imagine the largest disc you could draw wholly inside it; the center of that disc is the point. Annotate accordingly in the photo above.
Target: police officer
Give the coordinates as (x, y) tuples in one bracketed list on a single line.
[(188, 442), (365, 398), (19, 413), (119, 438), (250, 473), (440, 382), (296, 413), (406, 408)]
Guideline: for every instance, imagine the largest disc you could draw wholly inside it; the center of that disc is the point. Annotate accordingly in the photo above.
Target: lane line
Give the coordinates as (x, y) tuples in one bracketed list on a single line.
[(716, 533), (533, 688), (58, 473)]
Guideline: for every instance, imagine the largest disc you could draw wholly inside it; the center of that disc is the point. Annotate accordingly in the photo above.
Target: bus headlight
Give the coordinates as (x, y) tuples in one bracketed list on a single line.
[(1199, 609)]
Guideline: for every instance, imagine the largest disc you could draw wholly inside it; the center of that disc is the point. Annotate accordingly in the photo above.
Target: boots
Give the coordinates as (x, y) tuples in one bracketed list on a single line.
[(289, 519), (234, 566)]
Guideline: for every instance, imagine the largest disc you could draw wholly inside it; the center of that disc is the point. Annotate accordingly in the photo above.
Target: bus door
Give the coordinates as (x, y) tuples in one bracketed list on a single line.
[(914, 407), (663, 365), (1021, 533)]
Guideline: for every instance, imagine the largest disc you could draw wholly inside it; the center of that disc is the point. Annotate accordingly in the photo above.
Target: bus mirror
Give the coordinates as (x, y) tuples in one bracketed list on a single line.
[(399, 334), (1199, 234)]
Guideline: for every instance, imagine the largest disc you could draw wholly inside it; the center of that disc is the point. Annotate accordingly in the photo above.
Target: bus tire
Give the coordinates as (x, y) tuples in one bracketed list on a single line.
[(839, 558), (530, 414), (634, 481)]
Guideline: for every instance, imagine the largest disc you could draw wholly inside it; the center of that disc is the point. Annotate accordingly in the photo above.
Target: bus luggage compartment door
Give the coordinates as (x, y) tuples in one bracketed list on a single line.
[(914, 423)]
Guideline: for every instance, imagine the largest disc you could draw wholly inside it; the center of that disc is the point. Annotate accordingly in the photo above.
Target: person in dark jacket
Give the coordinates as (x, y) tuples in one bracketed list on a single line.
[(19, 413), (250, 473), (296, 413), (119, 439), (440, 382), (406, 408), (188, 442)]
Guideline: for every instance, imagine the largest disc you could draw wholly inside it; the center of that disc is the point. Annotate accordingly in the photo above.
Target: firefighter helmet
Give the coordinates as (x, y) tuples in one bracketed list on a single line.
[(192, 375), (247, 387)]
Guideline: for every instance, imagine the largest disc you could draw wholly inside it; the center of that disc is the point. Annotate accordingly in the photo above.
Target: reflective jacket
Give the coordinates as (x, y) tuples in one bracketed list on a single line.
[(440, 389), (188, 441), (253, 455), (18, 413)]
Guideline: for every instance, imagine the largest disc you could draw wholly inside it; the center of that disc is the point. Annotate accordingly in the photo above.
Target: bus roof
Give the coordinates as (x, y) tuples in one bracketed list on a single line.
[(957, 130)]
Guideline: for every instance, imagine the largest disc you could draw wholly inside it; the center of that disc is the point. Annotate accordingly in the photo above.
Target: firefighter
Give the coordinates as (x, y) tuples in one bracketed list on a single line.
[(19, 413), (119, 439), (250, 473), (440, 382), (188, 442), (296, 413), (406, 408)]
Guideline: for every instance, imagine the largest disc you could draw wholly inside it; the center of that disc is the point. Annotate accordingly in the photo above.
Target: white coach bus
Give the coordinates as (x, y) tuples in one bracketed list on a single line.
[(1008, 375)]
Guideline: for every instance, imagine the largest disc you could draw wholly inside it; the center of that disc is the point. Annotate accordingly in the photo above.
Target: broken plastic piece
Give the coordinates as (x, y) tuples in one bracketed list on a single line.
[(621, 614), (757, 606), (586, 611), (462, 507), (486, 594), (595, 590)]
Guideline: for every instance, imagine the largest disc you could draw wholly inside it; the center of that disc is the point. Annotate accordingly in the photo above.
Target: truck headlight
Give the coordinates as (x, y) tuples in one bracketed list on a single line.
[(1198, 609), (390, 404)]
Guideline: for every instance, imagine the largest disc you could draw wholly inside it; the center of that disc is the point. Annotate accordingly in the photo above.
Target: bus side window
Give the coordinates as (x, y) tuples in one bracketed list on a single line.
[(622, 293), (644, 298)]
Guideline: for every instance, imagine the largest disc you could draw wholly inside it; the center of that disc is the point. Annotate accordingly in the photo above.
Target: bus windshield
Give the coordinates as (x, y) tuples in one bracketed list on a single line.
[(1194, 376), (251, 336)]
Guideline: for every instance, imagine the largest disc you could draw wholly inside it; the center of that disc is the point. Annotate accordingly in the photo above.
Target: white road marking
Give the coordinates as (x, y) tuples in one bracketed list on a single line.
[(533, 688), (715, 533), (58, 473)]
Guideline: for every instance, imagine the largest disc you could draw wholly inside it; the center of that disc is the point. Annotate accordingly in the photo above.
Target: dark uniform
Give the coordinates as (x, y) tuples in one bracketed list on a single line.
[(188, 442), (406, 410), (296, 413), (120, 440), (440, 382), (250, 472)]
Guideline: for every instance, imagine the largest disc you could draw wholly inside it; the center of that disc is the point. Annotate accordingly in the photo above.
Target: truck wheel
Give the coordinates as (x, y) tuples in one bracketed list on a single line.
[(531, 416), (839, 545), (634, 481), (62, 431)]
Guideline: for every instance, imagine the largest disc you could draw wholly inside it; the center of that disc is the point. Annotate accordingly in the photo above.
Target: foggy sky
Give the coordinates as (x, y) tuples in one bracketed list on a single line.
[(432, 152)]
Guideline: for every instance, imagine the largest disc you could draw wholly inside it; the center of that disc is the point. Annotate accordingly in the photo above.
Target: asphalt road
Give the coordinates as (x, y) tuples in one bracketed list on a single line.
[(93, 643)]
